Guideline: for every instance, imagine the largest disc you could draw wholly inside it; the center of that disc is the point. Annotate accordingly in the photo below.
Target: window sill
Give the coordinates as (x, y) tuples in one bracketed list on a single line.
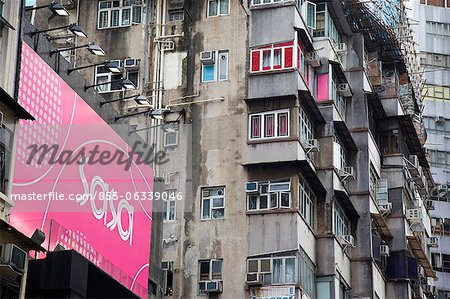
[(278, 139), (271, 211)]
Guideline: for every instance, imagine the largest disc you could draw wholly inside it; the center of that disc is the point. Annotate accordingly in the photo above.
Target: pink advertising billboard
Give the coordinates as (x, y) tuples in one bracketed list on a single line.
[(85, 192)]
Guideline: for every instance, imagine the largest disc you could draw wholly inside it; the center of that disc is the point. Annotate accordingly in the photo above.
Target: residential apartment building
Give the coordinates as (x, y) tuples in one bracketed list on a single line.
[(433, 36), (303, 174), (14, 245)]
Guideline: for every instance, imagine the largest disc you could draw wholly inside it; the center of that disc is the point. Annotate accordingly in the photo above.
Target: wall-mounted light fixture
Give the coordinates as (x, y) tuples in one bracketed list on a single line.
[(126, 84), (57, 9), (112, 66), (74, 28), (138, 98), (91, 47)]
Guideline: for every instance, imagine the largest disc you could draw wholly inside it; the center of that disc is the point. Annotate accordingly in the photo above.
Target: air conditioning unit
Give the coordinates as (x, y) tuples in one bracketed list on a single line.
[(346, 172), (429, 204), (439, 120), (131, 63), (414, 160), (311, 145), (168, 45), (13, 256), (384, 250), (251, 187), (207, 57), (340, 48), (313, 59), (344, 89), (254, 279), (348, 240), (214, 287), (385, 207), (433, 242), (413, 214)]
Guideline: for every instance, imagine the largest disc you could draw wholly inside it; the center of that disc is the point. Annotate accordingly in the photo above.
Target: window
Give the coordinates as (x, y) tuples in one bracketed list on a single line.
[(168, 266), (306, 202), (437, 28), (119, 13), (325, 26), (169, 213), (266, 125), (209, 270), (133, 76), (273, 57), (274, 270), (107, 79), (373, 178), (341, 224), (176, 15), (170, 139), (272, 195), (213, 203), (306, 126), (310, 15), (6, 137), (218, 8), (216, 67), (434, 60), (338, 99), (340, 154)]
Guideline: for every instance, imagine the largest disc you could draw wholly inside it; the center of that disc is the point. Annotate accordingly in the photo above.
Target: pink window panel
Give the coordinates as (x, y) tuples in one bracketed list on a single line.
[(287, 44), (256, 126), (269, 125), (283, 124), (288, 57), (256, 61)]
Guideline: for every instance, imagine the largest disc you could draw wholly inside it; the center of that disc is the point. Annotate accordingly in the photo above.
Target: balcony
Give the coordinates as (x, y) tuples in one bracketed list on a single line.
[(288, 150)]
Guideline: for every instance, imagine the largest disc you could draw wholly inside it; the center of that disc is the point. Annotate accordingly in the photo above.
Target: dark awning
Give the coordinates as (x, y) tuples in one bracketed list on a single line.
[(24, 242), (305, 39), (20, 112), (344, 135)]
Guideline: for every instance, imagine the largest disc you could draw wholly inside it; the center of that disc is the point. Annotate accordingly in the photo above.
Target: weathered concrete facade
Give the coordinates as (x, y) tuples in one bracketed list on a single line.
[(312, 169)]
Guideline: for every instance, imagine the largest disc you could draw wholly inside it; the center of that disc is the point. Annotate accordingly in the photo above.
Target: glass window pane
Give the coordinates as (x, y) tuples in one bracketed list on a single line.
[(212, 8), (285, 199), (126, 17), (274, 200), (277, 271), (290, 270), (277, 58), (114, 18), (223, 66), (263, 202), (115, 82), (102, 80), (217, 270), (269, 125), (224, 4), (265, 265), (256, 126), (208, 73), (204, 270), (252, 266), (266, 59), (252, 202), (137, 14), (217, 202), (206, 209), (103, 19), (218, 213), (283, 124)]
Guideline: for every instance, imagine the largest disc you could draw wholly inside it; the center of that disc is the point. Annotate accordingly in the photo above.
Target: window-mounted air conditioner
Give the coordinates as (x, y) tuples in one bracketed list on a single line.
[(254, 279), (340, 48), (13, 256), (251, 187), (313, 59), (347, 172), (344, 89), (311, 145), (214, 287), (207, 57), (131, 63), (348, 240), (384, 250), (413, 214), (433, 242)]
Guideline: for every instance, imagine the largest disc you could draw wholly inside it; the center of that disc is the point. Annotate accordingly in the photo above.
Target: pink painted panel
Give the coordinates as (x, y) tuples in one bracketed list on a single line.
[(322, 87)]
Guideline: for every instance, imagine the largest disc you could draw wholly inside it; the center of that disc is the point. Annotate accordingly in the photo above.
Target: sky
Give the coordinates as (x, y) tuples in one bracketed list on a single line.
[(30, 2)]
